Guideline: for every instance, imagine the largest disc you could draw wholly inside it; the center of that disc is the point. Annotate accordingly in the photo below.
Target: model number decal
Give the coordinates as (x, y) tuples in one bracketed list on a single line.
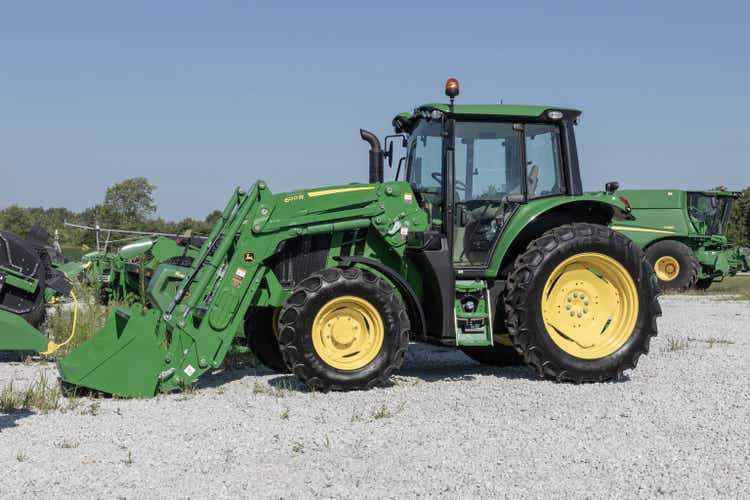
[(294, 197)]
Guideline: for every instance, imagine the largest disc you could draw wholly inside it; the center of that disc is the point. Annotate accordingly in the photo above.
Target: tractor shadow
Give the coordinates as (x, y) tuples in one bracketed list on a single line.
[(226, 375), (430, 364), (10, 420)]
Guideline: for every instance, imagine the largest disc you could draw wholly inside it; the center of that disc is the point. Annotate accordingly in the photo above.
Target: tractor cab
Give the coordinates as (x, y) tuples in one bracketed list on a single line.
[(471, 166)]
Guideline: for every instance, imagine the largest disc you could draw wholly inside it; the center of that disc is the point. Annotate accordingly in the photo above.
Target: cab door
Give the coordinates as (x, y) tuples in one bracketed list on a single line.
[(488, 180)]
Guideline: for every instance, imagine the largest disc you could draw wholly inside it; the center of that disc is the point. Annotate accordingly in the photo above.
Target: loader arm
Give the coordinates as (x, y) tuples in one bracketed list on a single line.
[(172, 347)]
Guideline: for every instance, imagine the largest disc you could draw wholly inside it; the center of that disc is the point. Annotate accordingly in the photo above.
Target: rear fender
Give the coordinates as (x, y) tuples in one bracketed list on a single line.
[(532, 219)]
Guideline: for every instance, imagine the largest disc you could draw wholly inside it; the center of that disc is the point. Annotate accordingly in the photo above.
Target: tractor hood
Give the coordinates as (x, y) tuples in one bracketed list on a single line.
[(388, 206)]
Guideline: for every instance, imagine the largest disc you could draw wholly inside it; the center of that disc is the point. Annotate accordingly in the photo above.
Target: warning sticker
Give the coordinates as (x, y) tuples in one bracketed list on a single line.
[(239, 275), (408, 197), (189, 370)]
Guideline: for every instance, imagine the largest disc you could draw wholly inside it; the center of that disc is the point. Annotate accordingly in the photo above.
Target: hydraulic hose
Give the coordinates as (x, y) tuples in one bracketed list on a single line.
[(53, 347)]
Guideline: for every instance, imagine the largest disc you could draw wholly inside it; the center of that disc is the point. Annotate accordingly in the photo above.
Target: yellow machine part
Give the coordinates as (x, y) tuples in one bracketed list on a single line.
[(590, 305)]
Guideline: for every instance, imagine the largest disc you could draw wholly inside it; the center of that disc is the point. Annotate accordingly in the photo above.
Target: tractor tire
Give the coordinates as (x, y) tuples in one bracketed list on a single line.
[(498, 354), (343, 329), (581, 304), (674, 263), (703, 284), (261, 334)]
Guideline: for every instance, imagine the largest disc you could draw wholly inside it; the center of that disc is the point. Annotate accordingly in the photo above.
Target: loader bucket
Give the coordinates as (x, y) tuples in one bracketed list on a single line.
[(16, 334), (124, 358)]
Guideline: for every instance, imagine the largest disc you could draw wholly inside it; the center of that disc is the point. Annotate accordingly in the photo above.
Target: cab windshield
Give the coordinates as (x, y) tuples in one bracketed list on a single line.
[(709, 213)]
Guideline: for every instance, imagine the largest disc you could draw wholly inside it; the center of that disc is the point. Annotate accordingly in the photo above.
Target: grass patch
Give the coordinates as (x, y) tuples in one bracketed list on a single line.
[(736, 286), (385, 412), (382, 412), (90, 318), (713, 341), (40, 395), (279, 390), (66, 445), (677, 344)]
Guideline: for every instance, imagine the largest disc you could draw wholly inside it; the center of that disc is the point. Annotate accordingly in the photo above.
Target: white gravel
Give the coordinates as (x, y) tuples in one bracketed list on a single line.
[(678, 427)]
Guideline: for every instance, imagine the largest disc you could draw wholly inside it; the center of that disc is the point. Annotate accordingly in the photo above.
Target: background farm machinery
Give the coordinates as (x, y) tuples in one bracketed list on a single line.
[(684, 235)]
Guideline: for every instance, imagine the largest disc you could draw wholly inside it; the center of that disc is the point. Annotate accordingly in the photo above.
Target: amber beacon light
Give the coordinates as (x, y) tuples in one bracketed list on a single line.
[(451, 88)]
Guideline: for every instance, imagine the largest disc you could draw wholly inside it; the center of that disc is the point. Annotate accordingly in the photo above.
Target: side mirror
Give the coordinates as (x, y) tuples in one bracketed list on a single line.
[(398, 169), (388, 143), (612, 186)]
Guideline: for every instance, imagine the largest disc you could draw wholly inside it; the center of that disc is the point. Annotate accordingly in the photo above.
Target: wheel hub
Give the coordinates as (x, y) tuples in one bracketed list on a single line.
[(590, 305), (666, 268), (347, 333)]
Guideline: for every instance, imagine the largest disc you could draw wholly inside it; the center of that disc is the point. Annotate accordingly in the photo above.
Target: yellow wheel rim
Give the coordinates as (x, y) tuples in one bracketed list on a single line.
[(590, 305), (667, 268), (347, 333)]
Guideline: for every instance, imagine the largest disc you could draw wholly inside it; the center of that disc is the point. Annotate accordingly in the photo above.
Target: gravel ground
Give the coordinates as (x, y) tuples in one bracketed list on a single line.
[(679, 427)]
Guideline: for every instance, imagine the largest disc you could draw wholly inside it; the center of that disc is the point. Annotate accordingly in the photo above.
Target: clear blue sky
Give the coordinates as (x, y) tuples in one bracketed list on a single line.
[(202, 96)]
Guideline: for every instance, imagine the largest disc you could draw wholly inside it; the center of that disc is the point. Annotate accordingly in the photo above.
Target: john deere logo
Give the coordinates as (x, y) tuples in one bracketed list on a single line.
[(249, 257)]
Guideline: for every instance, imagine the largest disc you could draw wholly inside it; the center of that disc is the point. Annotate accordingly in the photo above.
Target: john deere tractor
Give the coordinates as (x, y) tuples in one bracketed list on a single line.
[(684, 235), (484, 242)]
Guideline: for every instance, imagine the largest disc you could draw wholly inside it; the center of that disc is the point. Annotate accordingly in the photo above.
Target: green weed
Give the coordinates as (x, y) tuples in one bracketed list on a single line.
[(40, 395)]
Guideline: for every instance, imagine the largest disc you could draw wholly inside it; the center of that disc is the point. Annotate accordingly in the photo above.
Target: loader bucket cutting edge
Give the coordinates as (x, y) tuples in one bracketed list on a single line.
[(124, 358), (16, 334)]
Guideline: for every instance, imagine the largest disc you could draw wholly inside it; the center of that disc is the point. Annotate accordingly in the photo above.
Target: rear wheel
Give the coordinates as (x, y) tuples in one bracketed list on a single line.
[(343, 329), (262, 334), (674, 263), (581, 304)]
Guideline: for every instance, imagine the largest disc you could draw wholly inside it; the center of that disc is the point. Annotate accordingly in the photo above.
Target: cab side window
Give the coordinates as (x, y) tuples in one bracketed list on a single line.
[(544, 175)]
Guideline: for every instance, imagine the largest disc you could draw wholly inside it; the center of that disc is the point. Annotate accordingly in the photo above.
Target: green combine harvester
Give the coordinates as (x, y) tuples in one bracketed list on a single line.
[(488, 245), (29, 281), (684, 235)]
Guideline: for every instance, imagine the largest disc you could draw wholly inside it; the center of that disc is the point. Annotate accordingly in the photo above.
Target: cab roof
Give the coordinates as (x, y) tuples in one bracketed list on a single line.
[(404, 122)]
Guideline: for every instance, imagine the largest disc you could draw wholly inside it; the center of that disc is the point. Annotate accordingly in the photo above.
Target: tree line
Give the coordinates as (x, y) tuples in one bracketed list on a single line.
[(130, 205), (126, 205)]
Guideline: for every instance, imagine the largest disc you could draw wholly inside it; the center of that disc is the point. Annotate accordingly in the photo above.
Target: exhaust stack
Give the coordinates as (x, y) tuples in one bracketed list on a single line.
[(376, 156)]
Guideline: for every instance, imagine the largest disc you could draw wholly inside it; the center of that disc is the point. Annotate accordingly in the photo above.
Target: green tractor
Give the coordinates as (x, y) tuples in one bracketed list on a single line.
[(684, 235), (488, 245)]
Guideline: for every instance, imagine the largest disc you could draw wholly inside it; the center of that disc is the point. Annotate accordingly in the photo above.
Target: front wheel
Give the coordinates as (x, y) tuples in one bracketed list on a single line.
[(343, 329), (674, 263), (581, 304)]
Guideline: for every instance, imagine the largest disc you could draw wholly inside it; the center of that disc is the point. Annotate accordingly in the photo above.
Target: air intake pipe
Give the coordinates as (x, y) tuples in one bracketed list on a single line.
[(376, 156)]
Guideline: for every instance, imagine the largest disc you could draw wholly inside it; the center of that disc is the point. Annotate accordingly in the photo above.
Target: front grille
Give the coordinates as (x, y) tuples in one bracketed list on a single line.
[(299, 257)]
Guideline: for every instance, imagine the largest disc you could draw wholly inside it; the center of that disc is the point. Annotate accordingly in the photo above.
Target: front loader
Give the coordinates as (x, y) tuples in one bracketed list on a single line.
[(484, 242)]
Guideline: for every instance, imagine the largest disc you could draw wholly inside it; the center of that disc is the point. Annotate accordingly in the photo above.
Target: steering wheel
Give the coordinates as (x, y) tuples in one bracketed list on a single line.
[(439, 178)]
